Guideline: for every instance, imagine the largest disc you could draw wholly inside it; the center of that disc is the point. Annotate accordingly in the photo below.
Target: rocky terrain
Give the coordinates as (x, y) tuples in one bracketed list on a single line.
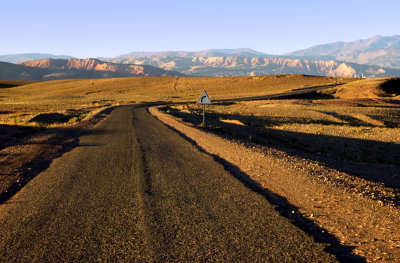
[(53, 69), (91, 64), (253, 66)]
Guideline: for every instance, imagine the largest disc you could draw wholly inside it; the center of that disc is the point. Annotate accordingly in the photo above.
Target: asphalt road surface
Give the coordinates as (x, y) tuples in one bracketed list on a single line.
[(134, 190)]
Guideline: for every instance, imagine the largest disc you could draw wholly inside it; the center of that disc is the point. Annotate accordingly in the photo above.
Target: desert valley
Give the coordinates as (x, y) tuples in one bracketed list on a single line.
[(109, 158)]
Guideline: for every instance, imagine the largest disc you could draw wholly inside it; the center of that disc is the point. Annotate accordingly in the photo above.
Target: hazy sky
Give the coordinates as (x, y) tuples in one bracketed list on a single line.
[(95, 28)]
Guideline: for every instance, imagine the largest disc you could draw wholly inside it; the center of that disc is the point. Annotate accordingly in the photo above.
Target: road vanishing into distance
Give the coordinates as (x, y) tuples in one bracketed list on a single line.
[(135, 190)]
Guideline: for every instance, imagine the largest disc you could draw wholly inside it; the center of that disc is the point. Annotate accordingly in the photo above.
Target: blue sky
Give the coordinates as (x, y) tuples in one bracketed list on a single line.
[(89, 28)]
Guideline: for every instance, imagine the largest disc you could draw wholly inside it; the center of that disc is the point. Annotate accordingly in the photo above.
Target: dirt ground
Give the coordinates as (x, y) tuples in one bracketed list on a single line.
[(24, 155), (364, 215)]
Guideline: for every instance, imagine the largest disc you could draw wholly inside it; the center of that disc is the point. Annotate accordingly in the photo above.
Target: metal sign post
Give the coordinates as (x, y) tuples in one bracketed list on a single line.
[(204, 114), (204, 99)]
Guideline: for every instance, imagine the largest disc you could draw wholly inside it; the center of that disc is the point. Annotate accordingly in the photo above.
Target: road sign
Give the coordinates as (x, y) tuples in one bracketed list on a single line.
[(204, 99)]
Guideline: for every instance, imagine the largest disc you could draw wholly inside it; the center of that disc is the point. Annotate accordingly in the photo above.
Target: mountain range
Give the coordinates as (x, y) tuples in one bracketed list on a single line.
[(51, 69), (374, 57), (239, 52), (377, 50), (16, 58), (253, 66)]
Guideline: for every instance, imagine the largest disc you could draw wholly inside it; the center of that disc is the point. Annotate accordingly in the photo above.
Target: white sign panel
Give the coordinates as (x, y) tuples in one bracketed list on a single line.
[(204, 99)]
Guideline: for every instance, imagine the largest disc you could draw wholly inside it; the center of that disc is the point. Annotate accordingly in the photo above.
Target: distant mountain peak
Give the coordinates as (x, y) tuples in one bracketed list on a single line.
[(16, 58), (229, 51), (378, 50), (242, 52)]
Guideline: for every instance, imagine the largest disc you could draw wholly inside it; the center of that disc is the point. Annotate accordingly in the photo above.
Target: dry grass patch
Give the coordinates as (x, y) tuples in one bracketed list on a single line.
[(368, 89), (21, 104)]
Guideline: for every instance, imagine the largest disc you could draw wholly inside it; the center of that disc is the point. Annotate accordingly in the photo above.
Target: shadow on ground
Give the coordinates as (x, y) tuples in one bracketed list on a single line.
[(342, 252), (59, 141), (371, 160)]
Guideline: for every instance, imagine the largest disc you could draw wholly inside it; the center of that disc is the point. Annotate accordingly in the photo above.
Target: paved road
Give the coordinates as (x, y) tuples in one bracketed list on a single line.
[(136, 191)]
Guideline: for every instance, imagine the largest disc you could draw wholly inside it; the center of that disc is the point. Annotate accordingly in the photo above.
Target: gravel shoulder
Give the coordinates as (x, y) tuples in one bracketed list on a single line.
[(371, 226), (22, 159)]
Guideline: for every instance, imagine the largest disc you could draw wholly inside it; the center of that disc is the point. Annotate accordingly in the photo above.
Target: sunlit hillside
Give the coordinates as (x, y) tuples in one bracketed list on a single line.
[(20, 104)]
